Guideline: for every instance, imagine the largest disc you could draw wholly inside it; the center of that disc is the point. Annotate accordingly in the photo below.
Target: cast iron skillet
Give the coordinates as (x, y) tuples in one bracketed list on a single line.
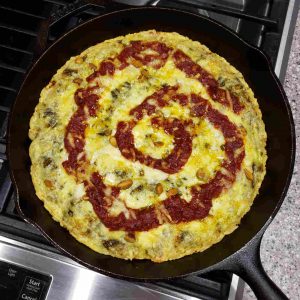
[(237, 252)]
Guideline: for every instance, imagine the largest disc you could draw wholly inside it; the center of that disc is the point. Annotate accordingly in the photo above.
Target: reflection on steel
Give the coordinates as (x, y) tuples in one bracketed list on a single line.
[(71, 281)]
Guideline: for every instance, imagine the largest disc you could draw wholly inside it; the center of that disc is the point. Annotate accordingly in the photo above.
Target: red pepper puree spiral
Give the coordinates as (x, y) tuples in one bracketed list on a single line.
[(174, 209)]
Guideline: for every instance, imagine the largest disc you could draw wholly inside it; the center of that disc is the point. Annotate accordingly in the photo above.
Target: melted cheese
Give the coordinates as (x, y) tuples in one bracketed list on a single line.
[(120, 93), (146, 138), (128, 92)]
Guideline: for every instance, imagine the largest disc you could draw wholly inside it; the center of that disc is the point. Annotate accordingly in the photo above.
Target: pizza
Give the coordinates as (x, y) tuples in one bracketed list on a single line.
[(147, 146)]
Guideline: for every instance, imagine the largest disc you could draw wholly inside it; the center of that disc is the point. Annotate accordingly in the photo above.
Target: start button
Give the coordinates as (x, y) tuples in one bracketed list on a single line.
[(32, 289)]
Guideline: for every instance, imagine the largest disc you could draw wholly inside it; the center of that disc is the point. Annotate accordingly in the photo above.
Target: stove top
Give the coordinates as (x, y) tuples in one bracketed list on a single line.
[(267, 24)]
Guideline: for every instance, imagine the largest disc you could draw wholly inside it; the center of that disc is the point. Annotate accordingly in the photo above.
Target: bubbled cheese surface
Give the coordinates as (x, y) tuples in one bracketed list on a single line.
[(65, 199)]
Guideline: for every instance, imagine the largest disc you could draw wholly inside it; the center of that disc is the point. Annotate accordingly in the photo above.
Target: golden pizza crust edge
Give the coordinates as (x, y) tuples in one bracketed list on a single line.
[(182, 239)]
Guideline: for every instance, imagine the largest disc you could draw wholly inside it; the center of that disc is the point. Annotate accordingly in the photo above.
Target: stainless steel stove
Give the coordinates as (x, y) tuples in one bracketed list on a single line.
[(31, 268)]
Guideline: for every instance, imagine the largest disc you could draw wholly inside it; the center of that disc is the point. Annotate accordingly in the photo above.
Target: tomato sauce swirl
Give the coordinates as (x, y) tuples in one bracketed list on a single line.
[(173, 209), (184, 63)]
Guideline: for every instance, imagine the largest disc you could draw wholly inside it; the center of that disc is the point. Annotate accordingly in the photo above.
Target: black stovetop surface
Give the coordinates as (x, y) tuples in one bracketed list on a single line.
[(19, 24)]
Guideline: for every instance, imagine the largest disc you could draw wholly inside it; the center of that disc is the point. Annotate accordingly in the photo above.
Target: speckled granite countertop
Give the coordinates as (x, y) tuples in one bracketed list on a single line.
[(280, 251)]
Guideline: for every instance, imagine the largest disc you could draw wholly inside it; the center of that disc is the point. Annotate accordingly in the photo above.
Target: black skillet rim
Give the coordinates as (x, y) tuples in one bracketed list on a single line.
[(257, 236)]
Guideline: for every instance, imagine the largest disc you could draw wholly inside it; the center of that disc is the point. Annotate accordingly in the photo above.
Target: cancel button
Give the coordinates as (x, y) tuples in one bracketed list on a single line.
[(26, 297)]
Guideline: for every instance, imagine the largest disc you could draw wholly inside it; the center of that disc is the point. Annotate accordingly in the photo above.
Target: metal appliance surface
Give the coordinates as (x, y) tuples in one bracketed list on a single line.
[(72, 281), (20, 242)]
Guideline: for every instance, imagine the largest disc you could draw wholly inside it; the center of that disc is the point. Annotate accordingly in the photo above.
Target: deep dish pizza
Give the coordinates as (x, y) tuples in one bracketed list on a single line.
[(147, 146)]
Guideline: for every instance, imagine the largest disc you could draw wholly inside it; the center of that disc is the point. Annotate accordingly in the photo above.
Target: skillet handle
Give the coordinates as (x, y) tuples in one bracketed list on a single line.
[(247, 264), (69, 10)]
